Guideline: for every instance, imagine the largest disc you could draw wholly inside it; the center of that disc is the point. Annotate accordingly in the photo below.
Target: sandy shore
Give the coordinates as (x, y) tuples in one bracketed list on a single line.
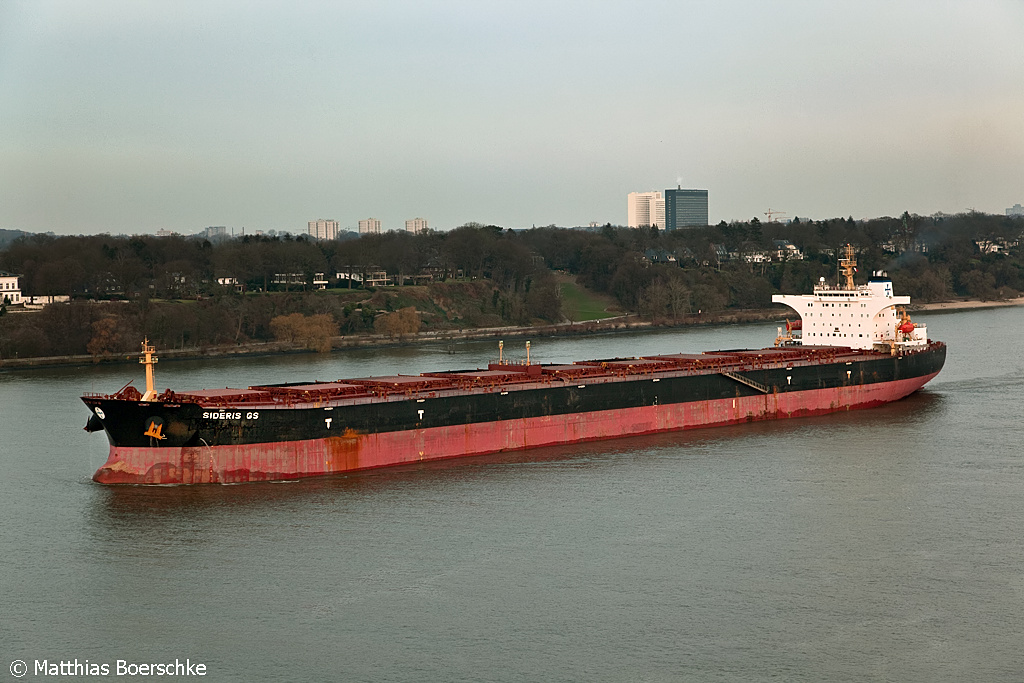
[(966, 305)]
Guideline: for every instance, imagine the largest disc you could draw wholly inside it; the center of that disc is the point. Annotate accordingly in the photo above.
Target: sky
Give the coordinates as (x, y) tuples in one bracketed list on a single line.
[(136, 116)]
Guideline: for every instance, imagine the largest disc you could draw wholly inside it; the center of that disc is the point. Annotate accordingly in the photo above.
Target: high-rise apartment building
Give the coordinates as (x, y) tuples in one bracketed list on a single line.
[(369, 225), (416, 225), (323, 229), (685, 208), (1015, 210), (644, 209)]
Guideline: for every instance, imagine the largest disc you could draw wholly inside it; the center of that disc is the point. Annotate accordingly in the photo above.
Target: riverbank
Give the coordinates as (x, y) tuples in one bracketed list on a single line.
[(606, 325)]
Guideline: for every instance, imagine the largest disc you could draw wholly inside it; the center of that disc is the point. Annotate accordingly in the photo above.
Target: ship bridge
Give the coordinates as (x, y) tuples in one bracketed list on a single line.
[(858, 316)]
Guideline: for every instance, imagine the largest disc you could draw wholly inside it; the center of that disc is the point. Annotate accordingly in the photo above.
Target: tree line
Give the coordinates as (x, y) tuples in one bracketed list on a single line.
[(166, 287), (929, 258)]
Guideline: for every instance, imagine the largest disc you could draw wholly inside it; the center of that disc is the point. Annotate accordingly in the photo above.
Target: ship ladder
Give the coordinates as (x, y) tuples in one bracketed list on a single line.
[(749, 382)]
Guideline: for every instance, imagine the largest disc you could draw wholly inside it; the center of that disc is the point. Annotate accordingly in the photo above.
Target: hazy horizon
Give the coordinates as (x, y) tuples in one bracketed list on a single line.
[(129, 117)]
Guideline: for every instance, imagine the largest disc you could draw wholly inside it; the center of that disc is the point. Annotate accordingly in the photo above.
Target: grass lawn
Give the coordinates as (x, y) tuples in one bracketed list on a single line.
[(580, 305)]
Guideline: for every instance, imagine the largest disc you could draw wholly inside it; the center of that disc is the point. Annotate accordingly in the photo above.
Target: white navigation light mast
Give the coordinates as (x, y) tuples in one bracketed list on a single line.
[(149, 360)]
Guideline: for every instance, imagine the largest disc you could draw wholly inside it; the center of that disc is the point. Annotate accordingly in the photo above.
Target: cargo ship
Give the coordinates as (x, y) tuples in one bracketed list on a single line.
[(848, 347)]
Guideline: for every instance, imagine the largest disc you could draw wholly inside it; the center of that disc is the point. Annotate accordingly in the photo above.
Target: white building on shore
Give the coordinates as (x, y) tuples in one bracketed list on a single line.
[(10, 290)]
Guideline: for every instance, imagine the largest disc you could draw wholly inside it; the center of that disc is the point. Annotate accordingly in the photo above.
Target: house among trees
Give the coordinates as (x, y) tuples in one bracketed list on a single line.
[(659, 256), (372, 277), (232, 282), (37, 302), (786, 251), (720, 252), (10, 290), (757, 257), (999, 245), (917, 246), (319, 280)]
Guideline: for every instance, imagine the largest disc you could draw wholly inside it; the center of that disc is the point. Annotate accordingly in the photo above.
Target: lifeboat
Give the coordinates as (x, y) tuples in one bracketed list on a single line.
[(905, 326)]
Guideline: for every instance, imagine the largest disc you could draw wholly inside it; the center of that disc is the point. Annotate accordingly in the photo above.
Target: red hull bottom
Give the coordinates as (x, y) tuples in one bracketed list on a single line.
[(317, 457)]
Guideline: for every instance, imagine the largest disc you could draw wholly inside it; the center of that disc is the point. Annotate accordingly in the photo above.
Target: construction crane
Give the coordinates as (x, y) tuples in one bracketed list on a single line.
[(772, 215)]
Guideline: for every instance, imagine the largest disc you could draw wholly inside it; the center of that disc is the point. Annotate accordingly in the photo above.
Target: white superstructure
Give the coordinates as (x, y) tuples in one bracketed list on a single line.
[(858, 316)]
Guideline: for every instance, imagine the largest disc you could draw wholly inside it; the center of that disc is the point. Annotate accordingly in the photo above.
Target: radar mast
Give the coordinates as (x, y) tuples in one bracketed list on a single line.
[(848, 266)]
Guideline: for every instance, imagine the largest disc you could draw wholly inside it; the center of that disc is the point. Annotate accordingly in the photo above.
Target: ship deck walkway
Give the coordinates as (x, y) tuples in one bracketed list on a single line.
[(764, 389)]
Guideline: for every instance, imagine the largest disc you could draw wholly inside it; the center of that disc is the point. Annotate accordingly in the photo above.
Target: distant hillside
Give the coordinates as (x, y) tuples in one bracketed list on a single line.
[(8, 236)]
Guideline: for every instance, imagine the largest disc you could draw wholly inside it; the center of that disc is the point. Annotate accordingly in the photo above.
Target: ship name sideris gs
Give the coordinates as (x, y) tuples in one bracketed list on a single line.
[(849, 346)]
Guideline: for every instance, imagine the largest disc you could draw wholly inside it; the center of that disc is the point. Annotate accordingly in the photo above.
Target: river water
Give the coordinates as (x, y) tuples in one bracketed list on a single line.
[(883, 544)]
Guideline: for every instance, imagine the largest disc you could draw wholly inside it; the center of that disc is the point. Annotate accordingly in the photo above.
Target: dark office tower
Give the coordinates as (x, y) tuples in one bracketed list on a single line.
[(685, 208)]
